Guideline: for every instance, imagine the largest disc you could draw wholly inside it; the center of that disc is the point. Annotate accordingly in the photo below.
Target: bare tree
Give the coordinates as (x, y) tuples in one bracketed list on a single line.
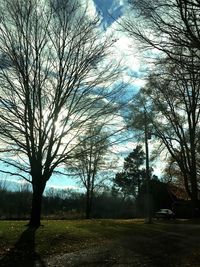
[(173, 93), (90, 163), (54, 82), (172, 28)]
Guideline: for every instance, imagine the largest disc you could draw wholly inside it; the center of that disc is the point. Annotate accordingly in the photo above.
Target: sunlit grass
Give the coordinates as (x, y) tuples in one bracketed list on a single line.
[(60, 236), (63, 236)]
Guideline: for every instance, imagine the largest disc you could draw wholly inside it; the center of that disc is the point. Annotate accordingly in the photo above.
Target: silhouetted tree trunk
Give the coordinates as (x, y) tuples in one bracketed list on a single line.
[(88, 205), (36, 206)]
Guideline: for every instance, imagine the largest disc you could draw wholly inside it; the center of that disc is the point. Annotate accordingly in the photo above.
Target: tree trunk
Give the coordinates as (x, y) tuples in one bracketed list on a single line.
[(194, 185), (36, 205), (193, 174), (88, 206), (194, 199)]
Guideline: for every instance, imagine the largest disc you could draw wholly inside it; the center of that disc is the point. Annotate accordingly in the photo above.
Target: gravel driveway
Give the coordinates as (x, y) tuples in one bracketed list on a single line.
[(177, 246), (98, 256)]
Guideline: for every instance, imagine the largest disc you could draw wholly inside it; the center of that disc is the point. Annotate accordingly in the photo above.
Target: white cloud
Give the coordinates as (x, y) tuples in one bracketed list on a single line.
[(127, 53), (139, 82), (91, 9)]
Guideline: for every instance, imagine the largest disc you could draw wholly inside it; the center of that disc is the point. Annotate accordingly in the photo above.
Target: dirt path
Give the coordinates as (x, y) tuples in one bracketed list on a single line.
[(98, 256), (176, 247)]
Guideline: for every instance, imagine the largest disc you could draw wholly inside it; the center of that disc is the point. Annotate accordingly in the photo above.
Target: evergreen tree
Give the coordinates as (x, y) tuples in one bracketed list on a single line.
[(130, 179)]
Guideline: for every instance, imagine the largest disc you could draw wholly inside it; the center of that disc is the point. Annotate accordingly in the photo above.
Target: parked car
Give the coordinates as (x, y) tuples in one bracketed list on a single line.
[(165, 214)]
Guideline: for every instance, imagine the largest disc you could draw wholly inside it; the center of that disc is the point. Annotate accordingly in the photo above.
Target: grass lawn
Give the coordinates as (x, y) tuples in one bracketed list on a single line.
[(60, 236), (160, 244)]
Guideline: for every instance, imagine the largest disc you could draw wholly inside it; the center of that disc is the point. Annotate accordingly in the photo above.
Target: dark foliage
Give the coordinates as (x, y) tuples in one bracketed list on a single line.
[(130, 179), (161, 197), (64, 205)]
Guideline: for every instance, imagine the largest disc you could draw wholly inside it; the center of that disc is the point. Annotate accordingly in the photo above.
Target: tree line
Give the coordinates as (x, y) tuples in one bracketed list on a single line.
[(125, 197), (64, 204), (71, 204)]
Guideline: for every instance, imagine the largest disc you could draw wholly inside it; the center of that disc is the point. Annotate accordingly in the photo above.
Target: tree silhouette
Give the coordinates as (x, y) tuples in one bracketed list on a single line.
[(55, 81), (129, 181), (172, 29)]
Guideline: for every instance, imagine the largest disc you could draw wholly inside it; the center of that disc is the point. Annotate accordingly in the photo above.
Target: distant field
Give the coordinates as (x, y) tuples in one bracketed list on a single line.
[(160, 244)]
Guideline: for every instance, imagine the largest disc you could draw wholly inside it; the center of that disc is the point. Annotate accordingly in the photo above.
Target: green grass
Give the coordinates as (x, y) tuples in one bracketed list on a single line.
[(10, 231), (60, 236), (175, 241), (65, 236)]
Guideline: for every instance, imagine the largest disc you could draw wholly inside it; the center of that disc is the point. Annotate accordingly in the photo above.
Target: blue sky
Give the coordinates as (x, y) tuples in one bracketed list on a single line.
[(110, 10)]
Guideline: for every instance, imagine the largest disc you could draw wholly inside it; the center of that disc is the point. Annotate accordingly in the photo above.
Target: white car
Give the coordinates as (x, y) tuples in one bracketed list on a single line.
[(165, 214)]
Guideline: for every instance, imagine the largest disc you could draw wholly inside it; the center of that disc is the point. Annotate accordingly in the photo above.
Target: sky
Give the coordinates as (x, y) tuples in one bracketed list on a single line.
[(110, 12)]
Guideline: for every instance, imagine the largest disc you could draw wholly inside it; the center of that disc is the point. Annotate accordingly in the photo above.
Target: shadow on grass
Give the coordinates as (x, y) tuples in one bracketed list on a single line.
[(23, 254)]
